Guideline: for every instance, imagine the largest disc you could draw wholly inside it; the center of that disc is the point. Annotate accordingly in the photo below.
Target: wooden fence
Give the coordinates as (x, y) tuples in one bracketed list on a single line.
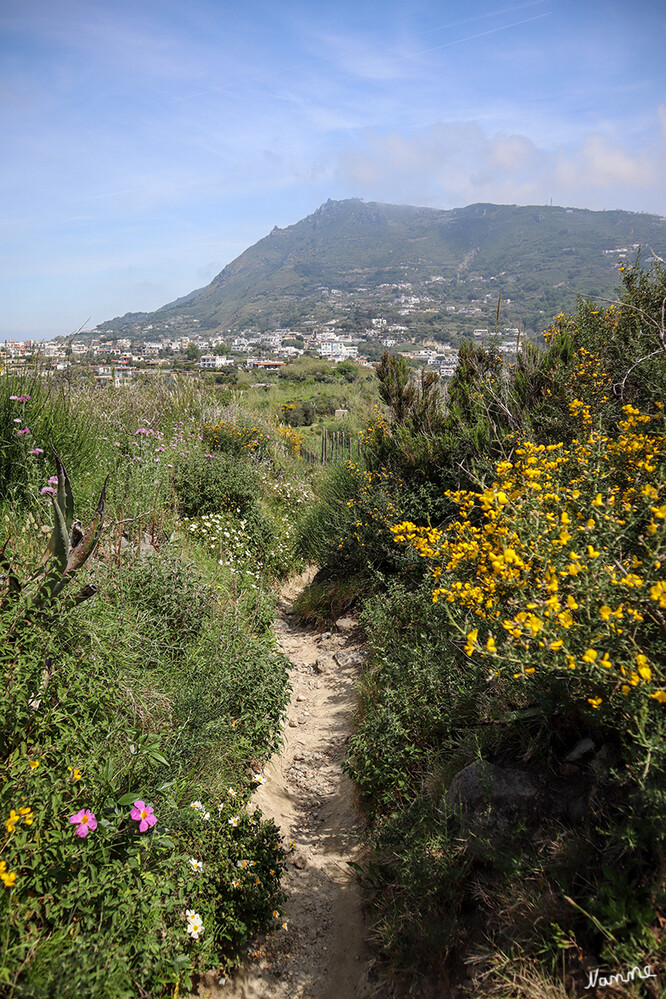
[(335, 446)]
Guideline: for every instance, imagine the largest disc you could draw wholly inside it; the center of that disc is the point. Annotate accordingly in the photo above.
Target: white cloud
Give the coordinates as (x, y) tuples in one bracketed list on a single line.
[(458, 163)]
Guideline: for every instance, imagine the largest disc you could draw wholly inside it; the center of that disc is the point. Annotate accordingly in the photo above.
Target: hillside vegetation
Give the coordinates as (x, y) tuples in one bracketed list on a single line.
[(346, 260), (144, 689), (510, 745)]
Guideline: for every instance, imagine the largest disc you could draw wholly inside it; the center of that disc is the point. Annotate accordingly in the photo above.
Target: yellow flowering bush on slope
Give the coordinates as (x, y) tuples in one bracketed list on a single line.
[(558, 568)]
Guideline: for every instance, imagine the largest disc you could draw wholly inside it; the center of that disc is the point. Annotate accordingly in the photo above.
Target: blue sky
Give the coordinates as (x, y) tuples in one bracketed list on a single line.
[(147, 143)]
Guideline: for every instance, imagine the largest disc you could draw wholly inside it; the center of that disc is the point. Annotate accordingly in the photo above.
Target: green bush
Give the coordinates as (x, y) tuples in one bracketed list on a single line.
[(212, 483)]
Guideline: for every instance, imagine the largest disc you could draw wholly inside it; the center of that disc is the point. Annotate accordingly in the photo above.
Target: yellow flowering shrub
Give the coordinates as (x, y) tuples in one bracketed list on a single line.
[(236, 437), (558, 565), (291, 439)]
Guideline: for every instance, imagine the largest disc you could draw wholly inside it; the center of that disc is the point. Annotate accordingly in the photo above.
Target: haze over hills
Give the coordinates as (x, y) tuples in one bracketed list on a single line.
[(350, 261)]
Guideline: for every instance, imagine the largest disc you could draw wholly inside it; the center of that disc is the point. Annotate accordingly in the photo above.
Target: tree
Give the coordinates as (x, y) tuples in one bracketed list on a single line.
[(395, 386), (192, 352)]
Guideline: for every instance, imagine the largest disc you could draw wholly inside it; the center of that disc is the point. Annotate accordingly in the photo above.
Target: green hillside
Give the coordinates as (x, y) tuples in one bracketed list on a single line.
[(350, 255)]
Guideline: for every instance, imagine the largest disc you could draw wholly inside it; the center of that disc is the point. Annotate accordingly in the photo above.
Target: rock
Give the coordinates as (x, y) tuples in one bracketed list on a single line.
[(292, 723), (300, 698), (324, 636), (581, 749), (501, 792), (300, 862), (345, 623), (320, 665), (353, 658)]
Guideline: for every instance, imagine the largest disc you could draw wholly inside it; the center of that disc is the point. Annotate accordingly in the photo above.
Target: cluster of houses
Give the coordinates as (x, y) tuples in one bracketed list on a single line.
[(114, 360)]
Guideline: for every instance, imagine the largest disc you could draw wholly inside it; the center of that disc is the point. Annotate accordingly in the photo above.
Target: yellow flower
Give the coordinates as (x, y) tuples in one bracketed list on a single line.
[(565, 619), (555, 646), (471, 641), (605, 612), (75, 772), (644, 670), (659, 695), (14, 817), (8, 877), (571, 603), (594, 701), (589, 656), (592, 552), (27, 815), (33, 764), (490, 644), (598, 501)]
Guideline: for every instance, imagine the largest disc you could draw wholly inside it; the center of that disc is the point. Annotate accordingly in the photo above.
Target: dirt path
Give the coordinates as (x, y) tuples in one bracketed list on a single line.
[(322, 954)]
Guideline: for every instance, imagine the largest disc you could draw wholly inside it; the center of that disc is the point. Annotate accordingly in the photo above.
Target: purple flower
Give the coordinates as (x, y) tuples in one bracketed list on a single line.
[(53, 481), (47, 491), (26, 430), (143, 814), (37, 451), (84, 821)]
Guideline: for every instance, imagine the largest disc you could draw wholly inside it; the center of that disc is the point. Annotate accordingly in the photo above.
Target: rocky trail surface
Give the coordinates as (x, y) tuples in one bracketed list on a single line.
[(322, 953)]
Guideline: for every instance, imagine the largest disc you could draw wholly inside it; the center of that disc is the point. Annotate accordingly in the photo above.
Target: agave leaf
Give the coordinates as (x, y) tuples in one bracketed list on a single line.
[(66, 503), (65, 494), (53, 580), (61, 540), (89, 540)]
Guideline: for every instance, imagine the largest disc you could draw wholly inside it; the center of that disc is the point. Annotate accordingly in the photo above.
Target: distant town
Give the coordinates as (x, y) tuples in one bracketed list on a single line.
[(116, 361)]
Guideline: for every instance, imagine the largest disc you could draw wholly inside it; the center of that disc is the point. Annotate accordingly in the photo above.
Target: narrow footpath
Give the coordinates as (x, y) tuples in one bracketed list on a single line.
[(322, 953)]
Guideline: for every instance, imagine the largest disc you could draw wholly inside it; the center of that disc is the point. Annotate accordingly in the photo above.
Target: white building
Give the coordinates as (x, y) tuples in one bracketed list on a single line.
[(209, 362)]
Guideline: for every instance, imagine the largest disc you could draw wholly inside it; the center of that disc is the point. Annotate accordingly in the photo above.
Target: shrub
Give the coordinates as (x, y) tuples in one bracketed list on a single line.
[(212, 483)]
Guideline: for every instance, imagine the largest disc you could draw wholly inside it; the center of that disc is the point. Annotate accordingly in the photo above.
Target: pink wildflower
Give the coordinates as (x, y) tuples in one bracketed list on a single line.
[(47, 491), (143, 814), (37, 451), (84, 821)]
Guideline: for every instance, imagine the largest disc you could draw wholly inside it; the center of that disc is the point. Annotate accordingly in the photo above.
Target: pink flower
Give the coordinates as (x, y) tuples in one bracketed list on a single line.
[(26, 430), (37, 451), (143, 814), (47, 491), (84, 821), (53, 481)]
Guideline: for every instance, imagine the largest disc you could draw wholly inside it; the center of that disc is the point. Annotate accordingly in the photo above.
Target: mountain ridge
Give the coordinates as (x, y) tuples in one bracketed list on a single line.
[(353, 248)]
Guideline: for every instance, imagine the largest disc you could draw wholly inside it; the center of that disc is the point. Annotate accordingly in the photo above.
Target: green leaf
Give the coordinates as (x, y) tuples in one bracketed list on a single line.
[(130, 798)]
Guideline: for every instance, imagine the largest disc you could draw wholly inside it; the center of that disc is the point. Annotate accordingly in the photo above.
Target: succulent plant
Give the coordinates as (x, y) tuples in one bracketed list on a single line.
[(68, 550)]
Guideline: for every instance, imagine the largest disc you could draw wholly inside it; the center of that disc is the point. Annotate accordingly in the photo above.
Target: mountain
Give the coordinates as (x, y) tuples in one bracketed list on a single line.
[(350, 261)]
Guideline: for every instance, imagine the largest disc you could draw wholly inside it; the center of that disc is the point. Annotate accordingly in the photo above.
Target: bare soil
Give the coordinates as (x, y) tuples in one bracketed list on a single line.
[(323, 952)]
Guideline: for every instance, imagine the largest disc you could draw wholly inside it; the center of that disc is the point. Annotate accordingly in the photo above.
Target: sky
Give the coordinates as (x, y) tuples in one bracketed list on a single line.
[(146, 143)]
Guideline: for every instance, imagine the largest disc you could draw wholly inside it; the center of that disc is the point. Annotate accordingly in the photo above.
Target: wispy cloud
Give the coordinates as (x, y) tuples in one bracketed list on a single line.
[(450, 164)]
